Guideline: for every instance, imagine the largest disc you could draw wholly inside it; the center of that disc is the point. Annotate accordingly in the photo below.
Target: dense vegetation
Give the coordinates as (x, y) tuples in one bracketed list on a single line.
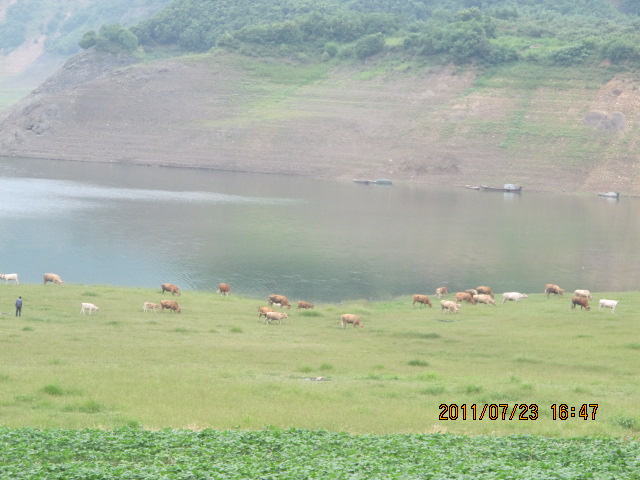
[(490, 32), (303, 454), (63, 22)]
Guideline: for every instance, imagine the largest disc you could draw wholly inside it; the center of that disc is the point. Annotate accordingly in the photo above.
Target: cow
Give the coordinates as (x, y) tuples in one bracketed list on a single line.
[(150, 306), (304, 305), (352, 319), (170, 287), (88, 306), (263, 311), (52, 277), (583, 294), (441, 291), (513, 296), (274, 316), (464, 296), (279, 299), (551, 288), (612, 304), (224, 289), (484, 298), (583, 302), (422, 300), (9, 276), (472, 291), (485, 291), (170, 305), (449, 306)]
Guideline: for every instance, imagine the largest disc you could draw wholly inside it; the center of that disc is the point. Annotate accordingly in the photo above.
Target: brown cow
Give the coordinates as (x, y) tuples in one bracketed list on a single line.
[(422, 299), (352, 319), (440, 291), (170, 305), (484, 298), (280, 300), (583, 302), (464, 296), (275, 316), (550, 288), (224, 289), (305, 305), (170, 287), (263, 311), (485, 291), (52, 277)]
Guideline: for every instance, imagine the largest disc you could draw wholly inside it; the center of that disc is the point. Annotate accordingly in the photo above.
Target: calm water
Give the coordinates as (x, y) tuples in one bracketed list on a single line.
[(310, 239)]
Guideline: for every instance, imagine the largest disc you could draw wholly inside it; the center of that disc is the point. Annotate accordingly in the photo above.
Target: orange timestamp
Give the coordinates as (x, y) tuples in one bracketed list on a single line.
[(516, 411)]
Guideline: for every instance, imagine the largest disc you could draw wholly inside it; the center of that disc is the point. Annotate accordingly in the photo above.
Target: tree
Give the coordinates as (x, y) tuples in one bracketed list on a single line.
[(88, 40), (114, 38), (369, 45)]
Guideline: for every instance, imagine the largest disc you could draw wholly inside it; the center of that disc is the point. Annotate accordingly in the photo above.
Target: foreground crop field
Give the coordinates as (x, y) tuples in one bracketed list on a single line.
[(215, 365), (302, 454)]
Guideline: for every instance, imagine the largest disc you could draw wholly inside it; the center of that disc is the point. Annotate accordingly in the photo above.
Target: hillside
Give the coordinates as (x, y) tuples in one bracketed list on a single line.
[(368, 119)]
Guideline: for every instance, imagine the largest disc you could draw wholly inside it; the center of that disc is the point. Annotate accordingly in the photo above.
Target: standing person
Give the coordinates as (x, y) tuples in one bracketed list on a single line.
[(19, 307)]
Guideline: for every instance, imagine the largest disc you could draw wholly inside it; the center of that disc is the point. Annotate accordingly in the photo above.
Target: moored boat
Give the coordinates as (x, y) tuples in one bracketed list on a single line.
[(507, 187), (380, 181), (473, 187), (609, 194)]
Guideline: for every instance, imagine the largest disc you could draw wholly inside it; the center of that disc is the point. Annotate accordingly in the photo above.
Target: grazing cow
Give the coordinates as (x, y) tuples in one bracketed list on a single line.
[(274, 316), (550, 288), (88, 306), (464, 296), (485, 291), (170, 287), (422, 300), (224, 289), (280, 299), (9, 276), (449, 306), (170, 305), (304, 305), (150, 306), (352, 319), (52, 277), (440, 291), (263, 311), (583, 302), (484, 298), (472, 291), (513, 296), (612, 304), (583, 294)]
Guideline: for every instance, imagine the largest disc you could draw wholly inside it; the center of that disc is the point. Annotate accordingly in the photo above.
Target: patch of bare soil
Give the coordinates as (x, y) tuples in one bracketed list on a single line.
[(208, 113)]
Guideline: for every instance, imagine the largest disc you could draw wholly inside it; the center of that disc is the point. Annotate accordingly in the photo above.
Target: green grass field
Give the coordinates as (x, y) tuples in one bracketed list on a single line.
[(215, 365)]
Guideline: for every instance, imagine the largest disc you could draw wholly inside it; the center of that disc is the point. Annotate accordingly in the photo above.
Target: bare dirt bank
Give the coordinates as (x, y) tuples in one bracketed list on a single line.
[(428, 126)]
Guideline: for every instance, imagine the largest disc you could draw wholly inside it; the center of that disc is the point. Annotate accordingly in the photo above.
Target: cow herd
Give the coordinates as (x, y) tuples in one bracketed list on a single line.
[(485, 295), (482, 294)]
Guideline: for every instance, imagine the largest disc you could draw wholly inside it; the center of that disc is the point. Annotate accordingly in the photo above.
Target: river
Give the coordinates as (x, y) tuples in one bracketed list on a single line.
[(313, 239)]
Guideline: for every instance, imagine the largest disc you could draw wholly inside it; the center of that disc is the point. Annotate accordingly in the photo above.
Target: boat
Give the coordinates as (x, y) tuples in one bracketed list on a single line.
[(507, 187), (473, 187), (609, 194), (380, 181)]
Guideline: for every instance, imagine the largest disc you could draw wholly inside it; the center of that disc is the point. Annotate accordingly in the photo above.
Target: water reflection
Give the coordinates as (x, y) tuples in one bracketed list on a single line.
[(311, 239)]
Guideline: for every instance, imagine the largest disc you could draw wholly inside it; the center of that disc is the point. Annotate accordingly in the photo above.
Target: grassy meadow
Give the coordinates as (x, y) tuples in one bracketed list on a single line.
[(215, 365)]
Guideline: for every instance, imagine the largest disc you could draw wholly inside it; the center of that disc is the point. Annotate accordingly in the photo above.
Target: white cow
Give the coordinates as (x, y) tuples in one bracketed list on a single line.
[(612, 304), (513, 296), (150, 306), (88, 306), (9, 276), (583, 294)]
